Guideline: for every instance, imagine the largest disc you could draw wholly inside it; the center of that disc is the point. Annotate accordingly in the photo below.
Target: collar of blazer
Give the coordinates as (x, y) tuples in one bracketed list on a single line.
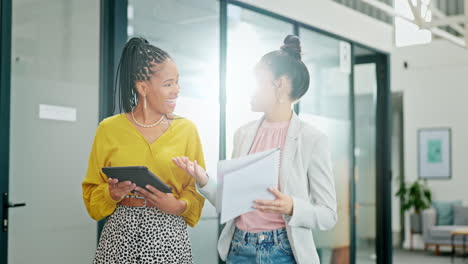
[(289, 148)]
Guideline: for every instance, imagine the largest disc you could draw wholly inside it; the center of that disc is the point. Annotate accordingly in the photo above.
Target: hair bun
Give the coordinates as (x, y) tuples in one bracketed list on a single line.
[(292, 45), (138, 41)]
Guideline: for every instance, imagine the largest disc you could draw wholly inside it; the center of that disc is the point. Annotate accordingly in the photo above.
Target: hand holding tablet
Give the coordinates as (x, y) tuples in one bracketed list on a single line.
[(139, 175)]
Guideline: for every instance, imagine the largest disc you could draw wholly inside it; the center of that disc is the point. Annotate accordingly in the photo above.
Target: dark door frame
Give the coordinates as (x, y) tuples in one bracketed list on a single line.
[(5, 89), (383, 186), (113, 36), (383, 161)]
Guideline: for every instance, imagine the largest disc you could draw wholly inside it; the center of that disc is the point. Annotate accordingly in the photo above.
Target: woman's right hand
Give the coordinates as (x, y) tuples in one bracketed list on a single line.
[(193, 169), (118, 190)]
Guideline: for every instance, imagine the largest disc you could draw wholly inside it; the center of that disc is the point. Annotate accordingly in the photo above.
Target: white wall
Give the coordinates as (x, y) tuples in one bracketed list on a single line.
[(335, 18), (435, 93)]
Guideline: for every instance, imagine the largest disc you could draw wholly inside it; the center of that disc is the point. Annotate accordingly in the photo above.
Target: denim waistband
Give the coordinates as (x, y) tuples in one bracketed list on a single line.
[(273, 236)]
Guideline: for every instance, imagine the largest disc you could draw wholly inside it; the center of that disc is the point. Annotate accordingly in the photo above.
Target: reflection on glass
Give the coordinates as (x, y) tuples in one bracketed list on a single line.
[(189, 31), (250, 36), (326, 106), (365, 85)]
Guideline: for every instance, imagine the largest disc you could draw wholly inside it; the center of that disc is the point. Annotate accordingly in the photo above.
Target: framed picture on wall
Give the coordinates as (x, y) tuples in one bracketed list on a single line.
[(435, 153)]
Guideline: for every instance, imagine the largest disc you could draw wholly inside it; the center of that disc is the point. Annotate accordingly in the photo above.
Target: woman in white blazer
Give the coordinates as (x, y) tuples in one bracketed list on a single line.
[(280, 230)]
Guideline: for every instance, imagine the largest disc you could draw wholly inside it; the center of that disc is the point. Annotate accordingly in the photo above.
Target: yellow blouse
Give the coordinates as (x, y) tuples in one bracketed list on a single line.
[(118, 143)]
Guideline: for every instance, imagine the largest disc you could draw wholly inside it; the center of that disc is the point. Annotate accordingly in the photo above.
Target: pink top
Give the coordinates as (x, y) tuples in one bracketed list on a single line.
[(270, 135)]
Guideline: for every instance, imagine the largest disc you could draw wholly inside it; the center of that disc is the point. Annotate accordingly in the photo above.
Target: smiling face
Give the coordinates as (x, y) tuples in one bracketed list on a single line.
[(162, 89)]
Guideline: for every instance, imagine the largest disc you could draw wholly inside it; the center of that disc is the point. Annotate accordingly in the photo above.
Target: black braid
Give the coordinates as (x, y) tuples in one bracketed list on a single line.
[(136, 63)]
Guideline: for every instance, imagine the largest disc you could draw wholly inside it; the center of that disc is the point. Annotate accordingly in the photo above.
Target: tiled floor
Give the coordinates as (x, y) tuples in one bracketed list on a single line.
[(366, 255), (414, 257), (425, 257)]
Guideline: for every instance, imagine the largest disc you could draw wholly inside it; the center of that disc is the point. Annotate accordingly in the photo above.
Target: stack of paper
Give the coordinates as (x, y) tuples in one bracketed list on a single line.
[(245, 179)]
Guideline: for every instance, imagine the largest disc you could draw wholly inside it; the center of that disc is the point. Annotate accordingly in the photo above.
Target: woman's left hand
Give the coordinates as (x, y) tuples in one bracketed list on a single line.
[(165, 202), (283, 204)]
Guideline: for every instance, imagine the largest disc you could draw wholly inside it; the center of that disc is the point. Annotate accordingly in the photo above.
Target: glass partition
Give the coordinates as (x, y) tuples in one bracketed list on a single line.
[(189, 31), (327, 107), (250, 36)]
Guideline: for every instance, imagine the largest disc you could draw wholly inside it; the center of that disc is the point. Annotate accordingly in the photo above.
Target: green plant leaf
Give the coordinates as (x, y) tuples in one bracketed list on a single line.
[(417, 197)]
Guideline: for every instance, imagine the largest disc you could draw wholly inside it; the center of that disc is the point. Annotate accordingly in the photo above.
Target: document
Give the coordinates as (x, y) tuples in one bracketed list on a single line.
[(245, 179)]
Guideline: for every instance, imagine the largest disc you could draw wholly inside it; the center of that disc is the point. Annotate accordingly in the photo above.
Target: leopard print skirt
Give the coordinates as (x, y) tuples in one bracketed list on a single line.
[(143, 235)]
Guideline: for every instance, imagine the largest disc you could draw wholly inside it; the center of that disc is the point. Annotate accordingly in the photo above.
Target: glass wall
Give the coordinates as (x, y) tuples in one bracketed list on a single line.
[(250, 36), (365, 162), (189, 32), (365, 94), (327, 107)]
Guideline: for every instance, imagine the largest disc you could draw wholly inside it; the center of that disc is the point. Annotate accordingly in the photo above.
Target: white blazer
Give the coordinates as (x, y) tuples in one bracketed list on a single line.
[(306, 175)]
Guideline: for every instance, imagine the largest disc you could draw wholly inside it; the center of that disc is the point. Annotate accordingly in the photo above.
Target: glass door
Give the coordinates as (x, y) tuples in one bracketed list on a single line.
[(250, 36), (365, 88), (189, 32), (52, 117), (372, 151), (327, 107)]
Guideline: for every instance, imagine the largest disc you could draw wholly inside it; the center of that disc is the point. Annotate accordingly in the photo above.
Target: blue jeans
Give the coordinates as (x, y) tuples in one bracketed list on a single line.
[(260, 248)]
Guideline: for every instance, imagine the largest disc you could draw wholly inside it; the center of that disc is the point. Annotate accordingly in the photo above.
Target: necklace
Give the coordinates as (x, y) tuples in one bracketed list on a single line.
[(150, 125)]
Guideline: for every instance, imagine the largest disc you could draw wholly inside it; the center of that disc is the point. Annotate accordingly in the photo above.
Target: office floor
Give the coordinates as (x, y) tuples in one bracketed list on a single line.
[(414, 257), (425, 257)]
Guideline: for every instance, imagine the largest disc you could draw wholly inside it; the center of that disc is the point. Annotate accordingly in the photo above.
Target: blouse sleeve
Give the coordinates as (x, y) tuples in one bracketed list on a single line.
[(96, 196), (193, 199)]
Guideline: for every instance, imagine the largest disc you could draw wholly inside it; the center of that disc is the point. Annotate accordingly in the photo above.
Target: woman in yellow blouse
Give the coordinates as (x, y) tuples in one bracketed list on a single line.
[(144, 226)]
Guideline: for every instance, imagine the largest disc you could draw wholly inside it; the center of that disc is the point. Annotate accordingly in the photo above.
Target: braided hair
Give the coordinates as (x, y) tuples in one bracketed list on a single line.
[(136, 63), (287, 61)]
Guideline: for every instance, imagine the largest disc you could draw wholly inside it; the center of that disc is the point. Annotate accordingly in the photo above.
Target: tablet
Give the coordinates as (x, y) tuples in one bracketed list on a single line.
[(140, 175)]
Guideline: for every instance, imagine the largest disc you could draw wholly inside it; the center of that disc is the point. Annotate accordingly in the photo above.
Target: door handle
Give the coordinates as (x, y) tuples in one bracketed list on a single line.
[(10, 205), (6, 205)]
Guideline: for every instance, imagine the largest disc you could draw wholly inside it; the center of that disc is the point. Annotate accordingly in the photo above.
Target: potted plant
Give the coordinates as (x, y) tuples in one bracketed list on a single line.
[(418, 197)]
